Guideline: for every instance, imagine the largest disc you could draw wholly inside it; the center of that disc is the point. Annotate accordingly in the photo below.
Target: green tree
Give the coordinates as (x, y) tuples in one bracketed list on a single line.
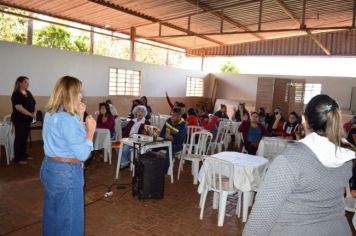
[(82, 43), (150, 54), (229, 67), (54, 37), (111, 47), (58, 37), (12, 28)]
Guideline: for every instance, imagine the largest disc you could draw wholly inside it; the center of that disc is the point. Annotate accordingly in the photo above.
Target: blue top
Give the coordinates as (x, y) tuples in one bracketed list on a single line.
[(254, 134), (64, 136), (178, 131)]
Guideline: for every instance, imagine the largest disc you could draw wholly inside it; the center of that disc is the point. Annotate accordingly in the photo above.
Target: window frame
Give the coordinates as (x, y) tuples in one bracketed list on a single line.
[(194, 86), (124, 82), (310, 93)]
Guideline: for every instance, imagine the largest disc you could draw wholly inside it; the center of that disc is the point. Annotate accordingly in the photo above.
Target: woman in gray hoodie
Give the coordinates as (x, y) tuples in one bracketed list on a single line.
[(302, 193)]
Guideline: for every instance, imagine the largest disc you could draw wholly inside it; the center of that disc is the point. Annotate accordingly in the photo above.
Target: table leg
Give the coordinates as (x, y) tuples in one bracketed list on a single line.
[(119, 161), (246, 201), (170, 169)]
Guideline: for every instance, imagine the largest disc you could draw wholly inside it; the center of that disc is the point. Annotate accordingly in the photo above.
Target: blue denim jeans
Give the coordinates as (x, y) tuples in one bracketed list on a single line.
[(63, 211), (126, 152)]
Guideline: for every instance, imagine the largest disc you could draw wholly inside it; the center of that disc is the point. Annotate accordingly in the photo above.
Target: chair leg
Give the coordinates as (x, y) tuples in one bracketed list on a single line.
[(222, 207), (246, 201), (196, 171), (238, 205), (202, 204), (251, 198), (118, 162), (180, 167), (216, 200)]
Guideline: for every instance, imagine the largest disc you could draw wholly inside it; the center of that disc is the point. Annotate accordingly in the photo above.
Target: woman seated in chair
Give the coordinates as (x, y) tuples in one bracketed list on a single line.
[(105, 119), (291, 128), (252, 132), (135, 126)]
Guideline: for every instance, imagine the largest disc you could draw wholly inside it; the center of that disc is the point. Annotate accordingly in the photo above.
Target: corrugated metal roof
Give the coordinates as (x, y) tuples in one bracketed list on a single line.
[(205, 17)]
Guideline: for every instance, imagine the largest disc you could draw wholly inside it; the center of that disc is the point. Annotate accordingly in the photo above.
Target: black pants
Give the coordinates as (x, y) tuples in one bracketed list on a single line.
[(22, 130), (250, 149)]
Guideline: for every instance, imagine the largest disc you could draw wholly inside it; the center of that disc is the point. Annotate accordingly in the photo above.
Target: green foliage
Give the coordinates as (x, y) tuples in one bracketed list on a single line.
[(58, 37), (229, 67), (12, 28), (111, 47), (150, 54), (82, 43)]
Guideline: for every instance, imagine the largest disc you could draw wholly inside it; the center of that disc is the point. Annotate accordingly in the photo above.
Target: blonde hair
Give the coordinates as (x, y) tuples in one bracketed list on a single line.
[(324, 117), (65, 94)]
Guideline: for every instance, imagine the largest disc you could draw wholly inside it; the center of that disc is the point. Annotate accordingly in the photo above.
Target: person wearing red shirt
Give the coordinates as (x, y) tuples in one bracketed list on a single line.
[(192, 118)]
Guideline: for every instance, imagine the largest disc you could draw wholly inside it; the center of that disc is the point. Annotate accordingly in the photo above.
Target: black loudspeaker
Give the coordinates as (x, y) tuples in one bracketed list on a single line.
[(148, 180)]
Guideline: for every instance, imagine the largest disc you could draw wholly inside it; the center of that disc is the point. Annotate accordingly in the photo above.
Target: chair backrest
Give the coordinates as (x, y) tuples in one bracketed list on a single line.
[(219, 174), (7, 119), (199, 142), (190, 130), (155, 120), (223, 131), (118, 129), (273, 147)]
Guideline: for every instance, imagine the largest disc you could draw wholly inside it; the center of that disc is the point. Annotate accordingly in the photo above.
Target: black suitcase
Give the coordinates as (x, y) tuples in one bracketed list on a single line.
[(148, 179)]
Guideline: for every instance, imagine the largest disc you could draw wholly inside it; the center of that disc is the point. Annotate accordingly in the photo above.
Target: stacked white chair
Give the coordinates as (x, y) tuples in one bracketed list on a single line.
[(199, 143), (219, 179)]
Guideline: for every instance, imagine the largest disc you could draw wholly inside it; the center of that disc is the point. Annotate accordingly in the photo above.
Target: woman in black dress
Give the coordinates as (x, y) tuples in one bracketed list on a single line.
[(23, 112)]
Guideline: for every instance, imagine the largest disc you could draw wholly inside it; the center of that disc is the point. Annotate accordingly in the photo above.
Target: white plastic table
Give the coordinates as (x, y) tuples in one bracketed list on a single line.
[(102, 140), (144, 148), (248, 174)]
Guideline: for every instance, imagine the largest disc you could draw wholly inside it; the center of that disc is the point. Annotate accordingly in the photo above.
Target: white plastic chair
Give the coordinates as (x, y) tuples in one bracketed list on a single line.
[(7, 119), (197, 149), (118, 129), (7, 138), (191, 129), (155, 120), (271, 147), (218, 178), (220, 139), (350, 204)]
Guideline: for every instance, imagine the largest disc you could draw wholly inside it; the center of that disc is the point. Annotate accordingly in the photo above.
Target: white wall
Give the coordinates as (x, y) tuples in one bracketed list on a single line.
[(244, 87), (44, 66)]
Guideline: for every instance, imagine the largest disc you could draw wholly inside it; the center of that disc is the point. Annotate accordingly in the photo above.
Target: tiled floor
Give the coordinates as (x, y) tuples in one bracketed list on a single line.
[(177, 214)]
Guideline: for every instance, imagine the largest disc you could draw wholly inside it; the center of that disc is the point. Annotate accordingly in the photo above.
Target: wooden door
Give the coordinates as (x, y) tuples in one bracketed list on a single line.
[(281, 94), (264, 96)]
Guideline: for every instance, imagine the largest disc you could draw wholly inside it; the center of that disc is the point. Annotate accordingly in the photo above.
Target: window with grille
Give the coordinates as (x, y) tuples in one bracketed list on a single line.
[(311, 90), (124, 82), (195, 87)]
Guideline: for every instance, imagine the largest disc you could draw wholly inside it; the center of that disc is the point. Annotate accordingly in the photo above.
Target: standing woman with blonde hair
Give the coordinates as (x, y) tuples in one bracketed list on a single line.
[(68, 142), (23, 111), (303, 191)]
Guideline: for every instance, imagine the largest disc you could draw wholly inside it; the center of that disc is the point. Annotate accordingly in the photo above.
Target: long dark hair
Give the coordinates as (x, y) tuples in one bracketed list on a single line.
[(323, 116), (19, 80), (107, 107), (145, 98)]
